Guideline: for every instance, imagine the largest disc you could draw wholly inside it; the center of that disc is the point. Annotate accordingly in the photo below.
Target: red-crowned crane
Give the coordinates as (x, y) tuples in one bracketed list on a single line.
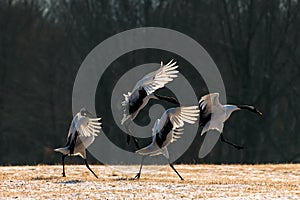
[(81, 134), (166, 130), (144, 90), (213, 114)]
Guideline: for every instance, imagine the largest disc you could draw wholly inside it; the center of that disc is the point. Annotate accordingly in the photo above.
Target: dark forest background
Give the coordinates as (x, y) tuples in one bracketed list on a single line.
[(255, 44)]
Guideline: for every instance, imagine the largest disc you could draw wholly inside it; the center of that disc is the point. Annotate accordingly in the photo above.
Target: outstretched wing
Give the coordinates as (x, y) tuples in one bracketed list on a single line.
[(88, 126), (207, 105), (146, 86), (83, 128), (179, 116), (209, 101), (177, 134), (183, 114), (159, 78), (170, 127)]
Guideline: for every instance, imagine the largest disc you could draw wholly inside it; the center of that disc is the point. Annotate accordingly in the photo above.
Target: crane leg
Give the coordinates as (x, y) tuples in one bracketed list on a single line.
[(63, 163), (139, 174), (227, 142), (171, 165), (87, 165)]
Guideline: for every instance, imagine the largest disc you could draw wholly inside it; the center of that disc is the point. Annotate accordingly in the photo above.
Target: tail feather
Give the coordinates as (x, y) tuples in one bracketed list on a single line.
[(63, 150), (151, 149)]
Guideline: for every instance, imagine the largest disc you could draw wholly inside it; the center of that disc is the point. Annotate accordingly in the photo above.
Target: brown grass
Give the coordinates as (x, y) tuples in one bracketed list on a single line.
[(281, 181)]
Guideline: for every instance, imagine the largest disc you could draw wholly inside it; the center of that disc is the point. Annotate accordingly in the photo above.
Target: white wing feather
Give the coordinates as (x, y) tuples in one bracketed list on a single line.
[(159, 78), (177, 116), (177, 134), (180, 115), (210, 104), (88, 126), (210, 100), (87, 129), (151, 82), (183, 114)]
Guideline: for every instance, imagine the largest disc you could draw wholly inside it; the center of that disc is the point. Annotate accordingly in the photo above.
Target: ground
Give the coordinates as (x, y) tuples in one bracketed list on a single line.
[(280, 181)]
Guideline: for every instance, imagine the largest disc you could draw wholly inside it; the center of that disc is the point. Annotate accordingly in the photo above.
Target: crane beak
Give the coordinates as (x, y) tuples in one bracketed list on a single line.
[(260, 113)]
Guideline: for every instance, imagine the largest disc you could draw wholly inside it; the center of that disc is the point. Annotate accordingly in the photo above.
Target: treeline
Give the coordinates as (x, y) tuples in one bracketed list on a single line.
[(255, 44)]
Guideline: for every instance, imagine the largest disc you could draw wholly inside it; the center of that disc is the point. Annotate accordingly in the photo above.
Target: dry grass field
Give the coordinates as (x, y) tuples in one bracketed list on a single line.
[(280, 181)]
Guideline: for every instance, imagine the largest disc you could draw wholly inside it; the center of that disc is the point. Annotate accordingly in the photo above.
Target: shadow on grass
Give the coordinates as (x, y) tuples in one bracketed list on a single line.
[(70, 182), (44, 178), (125, 179)]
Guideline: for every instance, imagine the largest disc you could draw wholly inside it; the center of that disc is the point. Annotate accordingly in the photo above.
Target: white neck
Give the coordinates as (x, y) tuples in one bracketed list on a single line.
[(229, 109)]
